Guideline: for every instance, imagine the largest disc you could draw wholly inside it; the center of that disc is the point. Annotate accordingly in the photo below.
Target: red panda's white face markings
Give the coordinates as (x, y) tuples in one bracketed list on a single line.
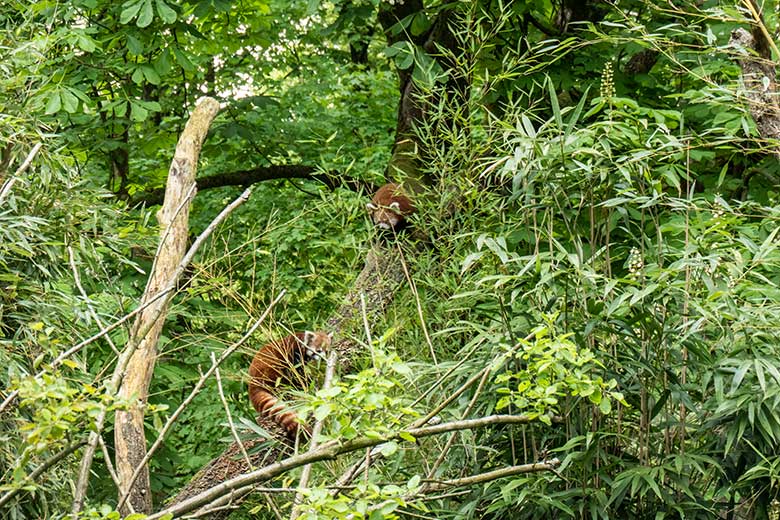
[(384, 218), (316, 344), (390, 207)]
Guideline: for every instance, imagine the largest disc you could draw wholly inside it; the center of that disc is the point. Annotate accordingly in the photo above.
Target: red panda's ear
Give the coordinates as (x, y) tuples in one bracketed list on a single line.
[(395, 205), (308, 338), (371, 206), (330, 336)]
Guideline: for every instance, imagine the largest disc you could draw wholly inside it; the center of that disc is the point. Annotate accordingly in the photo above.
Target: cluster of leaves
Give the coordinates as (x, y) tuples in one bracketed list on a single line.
[(370, 402), (61, 234), (550, 369)]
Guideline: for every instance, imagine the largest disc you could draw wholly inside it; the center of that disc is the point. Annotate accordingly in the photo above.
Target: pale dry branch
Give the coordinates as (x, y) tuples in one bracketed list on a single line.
[(451, 439), (173, 216), (547, 465), (229, 416), (416, 295), (6, 189), (195, 391), (125, 356)]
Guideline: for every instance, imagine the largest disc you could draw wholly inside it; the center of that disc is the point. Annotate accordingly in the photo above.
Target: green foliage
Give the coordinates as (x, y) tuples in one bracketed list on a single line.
[(369, 403), (551, 368), (631, 211), (365, 502)]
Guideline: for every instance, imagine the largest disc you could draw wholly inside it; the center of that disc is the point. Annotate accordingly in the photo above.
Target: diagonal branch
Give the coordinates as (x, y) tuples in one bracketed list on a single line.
[(196, 389), (129, 438)]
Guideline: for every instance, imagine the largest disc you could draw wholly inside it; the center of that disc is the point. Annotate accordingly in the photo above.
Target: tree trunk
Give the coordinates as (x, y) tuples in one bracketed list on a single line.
[(130, 441)]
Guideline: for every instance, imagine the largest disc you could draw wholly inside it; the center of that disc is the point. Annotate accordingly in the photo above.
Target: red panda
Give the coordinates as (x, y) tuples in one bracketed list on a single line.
[(277, 361), (390, 206)]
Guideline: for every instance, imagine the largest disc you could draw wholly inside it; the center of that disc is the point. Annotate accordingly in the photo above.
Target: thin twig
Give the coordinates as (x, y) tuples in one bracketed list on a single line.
[(230, 416), (6, 189), (416, 295), (450, 441), (547, 465), (65, 355), (758, 20), (172, 419), (130, 348), (109, 464), (45, 465), (90, 308), (306, 472), (355, 469)]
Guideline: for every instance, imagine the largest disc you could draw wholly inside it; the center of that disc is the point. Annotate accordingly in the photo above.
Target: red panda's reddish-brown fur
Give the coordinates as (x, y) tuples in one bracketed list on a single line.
[(277, 362), (390, 206)]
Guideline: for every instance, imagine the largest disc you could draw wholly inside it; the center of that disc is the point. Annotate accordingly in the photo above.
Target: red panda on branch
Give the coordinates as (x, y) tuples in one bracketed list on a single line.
[(390, 206), (279, 361)]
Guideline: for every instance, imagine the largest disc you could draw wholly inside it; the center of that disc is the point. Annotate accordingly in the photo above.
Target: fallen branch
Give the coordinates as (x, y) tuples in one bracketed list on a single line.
[(328, 451)]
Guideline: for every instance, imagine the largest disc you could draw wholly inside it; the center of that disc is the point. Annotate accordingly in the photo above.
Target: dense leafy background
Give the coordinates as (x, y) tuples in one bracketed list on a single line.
[(628, 216)]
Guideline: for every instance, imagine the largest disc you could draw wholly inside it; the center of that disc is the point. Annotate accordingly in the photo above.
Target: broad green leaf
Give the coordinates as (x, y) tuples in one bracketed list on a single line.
[(134, 45), (137, 112), (86, 43), (54, 104), (183, 60), (388, 448), (167, 14), (138, 76), (130, 11), (150, 74), (69, 102), (146, 14), (322, 411), (407, 436)]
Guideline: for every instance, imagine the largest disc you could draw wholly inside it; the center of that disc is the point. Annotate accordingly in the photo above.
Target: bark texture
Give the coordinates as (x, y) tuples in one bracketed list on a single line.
[(130, 441), (759, 77)]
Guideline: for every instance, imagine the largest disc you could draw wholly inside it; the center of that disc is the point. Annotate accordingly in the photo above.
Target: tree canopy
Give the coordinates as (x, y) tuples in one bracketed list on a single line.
[(579, 322)]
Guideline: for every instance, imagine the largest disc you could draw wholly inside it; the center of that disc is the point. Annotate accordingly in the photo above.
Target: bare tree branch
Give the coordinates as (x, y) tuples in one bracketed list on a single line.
[(129, 438), (6, 189), (438, 485), (331, 180)]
